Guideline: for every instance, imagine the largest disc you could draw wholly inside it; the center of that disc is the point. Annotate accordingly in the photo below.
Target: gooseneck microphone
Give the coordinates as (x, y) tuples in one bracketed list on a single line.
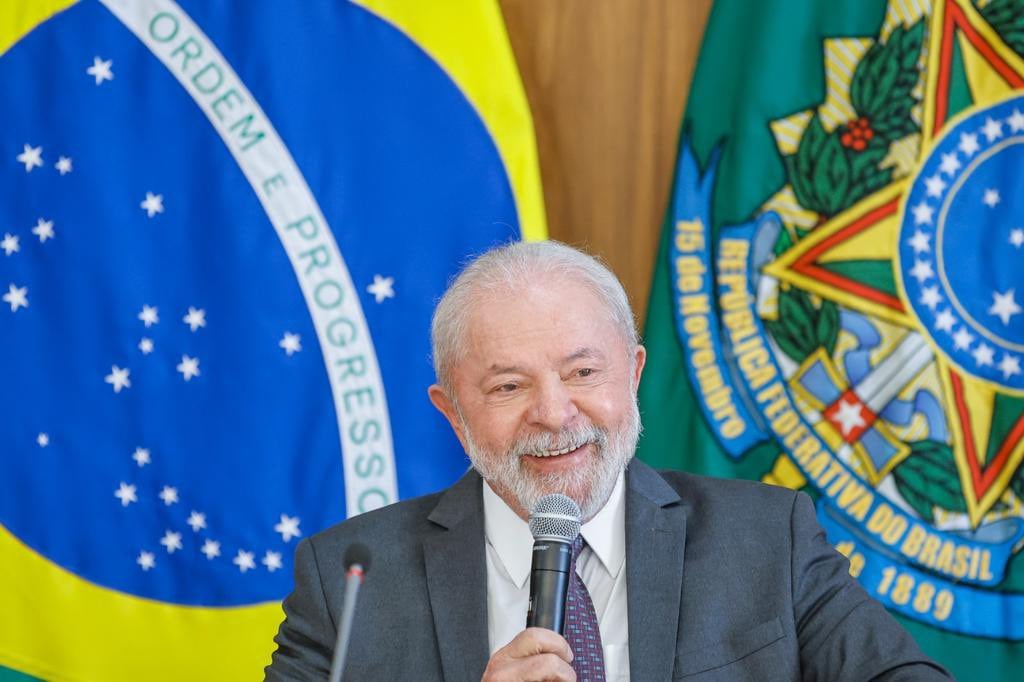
[(554, 524), (357, 563)]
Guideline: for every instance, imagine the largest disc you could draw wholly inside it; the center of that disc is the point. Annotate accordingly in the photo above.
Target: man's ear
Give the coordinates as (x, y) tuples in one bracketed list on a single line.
[(446, 406), (638, 367)]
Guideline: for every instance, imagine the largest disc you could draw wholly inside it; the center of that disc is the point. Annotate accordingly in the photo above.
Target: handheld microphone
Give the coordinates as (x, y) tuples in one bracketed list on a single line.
[(357, 563), (554, 524)]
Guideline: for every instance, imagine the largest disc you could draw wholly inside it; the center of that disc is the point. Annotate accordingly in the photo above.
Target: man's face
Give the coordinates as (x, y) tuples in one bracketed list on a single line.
[(545, 395)]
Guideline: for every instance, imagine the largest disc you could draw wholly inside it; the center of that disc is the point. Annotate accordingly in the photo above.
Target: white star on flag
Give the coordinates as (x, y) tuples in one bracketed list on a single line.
[(272, 560), (141, 456), (153, 204), (32, 157), (9, 244), (983, 355), (149, 316), (991, 198), (43, 230), (290, 343), (197, 521), (969, 143), (169, 495), (382, 288), (195, 318), (1009, 366), (126, 493), (63, 165), (1016, 121), (944, 321), (849, 416), (146, 345), (189, 367), (931, 297), (920, 242), (146, 560), (922, 271), (1017, 237), (950, 164), (923, 213), (288, 528), (936, 185), (118, 378), (963, 339), (993, 129), (211, 548), (100, 70), (244, 560), (1004, 306), (43, 439), (172, 541), (17, 297)]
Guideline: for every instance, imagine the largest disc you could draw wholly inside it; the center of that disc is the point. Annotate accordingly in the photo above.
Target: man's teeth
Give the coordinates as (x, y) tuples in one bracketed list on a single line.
[(555, 453)]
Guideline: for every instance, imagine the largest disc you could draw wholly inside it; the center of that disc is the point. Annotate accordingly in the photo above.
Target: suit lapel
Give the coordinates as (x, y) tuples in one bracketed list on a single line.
[(456, 572), (655, 538)]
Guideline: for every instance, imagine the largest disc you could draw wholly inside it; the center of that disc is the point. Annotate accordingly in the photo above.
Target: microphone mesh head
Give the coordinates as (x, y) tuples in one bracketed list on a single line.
[(555, 517)]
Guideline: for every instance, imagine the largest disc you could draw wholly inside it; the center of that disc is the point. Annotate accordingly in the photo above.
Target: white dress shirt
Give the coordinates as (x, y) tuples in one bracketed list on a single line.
[(601, 565)]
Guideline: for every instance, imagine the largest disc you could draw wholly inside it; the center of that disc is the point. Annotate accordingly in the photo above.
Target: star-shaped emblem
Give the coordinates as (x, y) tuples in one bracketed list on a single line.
[(931, 297), (991, 197), (288, 527), (1004, 306), (118, 378), (197, 521), (43, 439), (992, 129), (189, 367), (1009, 366), (146, 560), (101, 70), (17, 297), (950, 164), (43, 230), (169, 495), (922, 271), (272, 560), (923, 213), (290, 343), (149, 315), (172, 541), (944, 321), (983, 355), (141, 456), (1017, 237), (936, 185), (195, 318), (146, 345), (152, 204), (1016, 121), (849, 416), (211, 548), (920, 242), (382, 288), (32, 157), (963, 339), (126, 493), (63, 165), (10, 244), (969, 143), (244, 560)]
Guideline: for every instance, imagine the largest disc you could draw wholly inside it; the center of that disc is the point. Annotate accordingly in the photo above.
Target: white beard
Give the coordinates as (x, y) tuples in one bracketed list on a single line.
[(588, 486)]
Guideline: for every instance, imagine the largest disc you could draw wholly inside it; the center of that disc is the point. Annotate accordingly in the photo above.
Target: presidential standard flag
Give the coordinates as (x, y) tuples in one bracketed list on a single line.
[(224, 227), (837, 304)]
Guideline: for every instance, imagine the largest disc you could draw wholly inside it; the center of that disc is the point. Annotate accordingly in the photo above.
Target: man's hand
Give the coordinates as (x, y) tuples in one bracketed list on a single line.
[(535, 655)]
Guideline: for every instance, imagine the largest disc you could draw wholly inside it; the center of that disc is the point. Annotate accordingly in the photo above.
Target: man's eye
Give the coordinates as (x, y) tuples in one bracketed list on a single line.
[(506, 388), (585, 372)]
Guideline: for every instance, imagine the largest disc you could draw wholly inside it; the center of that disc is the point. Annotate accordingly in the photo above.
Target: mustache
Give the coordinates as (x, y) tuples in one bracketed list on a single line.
[(571, 437)]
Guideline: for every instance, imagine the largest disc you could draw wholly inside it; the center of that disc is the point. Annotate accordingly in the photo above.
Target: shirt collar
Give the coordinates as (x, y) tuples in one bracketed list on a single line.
[(510, 536)]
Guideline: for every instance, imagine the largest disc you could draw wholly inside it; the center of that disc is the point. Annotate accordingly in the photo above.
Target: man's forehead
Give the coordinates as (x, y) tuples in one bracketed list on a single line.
[(580, 353)]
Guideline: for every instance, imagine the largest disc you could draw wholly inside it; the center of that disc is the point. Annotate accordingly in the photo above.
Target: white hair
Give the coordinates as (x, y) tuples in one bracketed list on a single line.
[(509, 268)]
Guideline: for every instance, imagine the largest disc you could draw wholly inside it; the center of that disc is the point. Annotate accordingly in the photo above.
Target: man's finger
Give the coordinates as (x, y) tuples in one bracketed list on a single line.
[(534, 641)]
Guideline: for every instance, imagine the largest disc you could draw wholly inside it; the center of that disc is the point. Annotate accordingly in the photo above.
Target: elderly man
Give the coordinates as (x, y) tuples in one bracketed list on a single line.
[(537, 362)]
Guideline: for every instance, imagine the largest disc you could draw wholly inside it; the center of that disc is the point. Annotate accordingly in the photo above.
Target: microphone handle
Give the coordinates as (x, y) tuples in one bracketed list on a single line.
[(353, 579), (549, 585)]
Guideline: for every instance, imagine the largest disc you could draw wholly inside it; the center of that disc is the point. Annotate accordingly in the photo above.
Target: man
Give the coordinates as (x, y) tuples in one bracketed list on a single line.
[(538, 362)]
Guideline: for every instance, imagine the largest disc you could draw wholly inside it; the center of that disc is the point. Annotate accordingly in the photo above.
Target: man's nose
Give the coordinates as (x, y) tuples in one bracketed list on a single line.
[(553, 405)]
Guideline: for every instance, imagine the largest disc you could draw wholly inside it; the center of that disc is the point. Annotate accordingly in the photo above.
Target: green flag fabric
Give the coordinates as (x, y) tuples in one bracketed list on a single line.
[(837, 301)]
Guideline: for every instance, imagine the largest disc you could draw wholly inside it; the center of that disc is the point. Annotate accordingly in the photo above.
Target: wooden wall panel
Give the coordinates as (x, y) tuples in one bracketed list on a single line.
[(607, 83)]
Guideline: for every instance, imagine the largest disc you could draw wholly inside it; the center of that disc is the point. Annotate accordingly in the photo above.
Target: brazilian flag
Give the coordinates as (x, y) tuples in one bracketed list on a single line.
[(223, 228), (838, 303)]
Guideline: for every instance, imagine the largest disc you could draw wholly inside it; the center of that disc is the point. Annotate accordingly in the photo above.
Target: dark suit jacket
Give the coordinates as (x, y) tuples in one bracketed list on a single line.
[(726, 580)]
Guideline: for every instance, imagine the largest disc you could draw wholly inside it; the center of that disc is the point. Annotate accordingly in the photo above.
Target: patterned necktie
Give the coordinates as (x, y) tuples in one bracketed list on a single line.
[(581, 629)]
